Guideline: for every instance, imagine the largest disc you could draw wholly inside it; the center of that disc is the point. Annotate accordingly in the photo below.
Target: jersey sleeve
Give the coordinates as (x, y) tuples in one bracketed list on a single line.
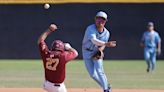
[(90, 33), (43, 47), (157, 38), (107, 37), (69, 55)]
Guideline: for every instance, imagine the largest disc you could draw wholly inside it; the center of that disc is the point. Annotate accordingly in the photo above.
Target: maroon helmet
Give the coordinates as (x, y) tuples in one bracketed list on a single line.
[(57, 45)]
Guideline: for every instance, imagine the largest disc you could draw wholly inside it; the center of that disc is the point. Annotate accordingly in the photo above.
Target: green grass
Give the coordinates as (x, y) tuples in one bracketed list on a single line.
[(121, 74)]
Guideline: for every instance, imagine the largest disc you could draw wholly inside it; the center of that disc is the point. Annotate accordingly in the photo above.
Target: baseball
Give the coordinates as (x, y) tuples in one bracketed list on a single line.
[(46, 6)]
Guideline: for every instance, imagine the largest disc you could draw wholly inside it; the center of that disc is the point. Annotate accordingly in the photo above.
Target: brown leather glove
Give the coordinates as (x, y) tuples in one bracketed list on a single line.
[(98, 55)]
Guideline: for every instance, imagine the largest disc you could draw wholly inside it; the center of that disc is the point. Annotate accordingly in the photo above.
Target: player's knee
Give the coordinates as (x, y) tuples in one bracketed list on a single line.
[(93, 76), (153, 63), (100, 72), (147, 59)]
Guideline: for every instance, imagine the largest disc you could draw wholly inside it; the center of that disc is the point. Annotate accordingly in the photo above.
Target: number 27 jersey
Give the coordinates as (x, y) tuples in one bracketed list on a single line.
[(54, 63)]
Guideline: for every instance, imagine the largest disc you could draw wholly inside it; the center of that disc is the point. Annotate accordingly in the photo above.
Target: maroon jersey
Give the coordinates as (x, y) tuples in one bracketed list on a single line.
[(55, 62)]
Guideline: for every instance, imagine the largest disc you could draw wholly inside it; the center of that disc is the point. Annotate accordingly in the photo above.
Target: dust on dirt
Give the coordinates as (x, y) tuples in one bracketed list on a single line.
[(76, 90)]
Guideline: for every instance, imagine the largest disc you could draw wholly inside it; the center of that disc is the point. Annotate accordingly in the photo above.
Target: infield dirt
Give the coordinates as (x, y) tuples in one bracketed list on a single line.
[(76, 90)]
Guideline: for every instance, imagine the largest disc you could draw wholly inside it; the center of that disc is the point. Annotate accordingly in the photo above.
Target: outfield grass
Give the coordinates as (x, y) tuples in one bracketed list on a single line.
[(121, 74)]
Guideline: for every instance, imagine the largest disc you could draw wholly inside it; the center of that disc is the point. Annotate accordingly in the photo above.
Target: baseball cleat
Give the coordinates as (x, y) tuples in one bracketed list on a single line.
[(108, 90), (148, 70)]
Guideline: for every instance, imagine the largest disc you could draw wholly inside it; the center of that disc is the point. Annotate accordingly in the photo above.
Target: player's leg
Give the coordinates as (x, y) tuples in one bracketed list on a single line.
[(62, 88), (153, 60), (89, 64), (101, 73), (49, 87), (147, 59)]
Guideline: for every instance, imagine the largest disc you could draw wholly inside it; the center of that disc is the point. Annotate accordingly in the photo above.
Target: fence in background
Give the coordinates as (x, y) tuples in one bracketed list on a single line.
[(21, 25)]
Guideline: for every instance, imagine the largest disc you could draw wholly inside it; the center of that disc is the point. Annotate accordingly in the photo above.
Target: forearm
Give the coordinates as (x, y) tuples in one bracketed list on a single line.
[(102, 48), (74, 51), (70, 49), (51, 28), (98, 42), (141, 44), (44, 36), (102, 43), (159, 45)]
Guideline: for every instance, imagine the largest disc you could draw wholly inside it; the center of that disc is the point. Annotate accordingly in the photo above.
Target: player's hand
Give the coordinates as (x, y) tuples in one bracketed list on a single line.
[(67, 46), (52, 27), (142, 45), (111, 44), (159, 51)]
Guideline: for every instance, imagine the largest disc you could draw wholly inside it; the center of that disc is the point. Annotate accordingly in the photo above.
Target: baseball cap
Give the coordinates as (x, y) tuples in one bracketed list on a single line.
[(102, 14), (150, 24)]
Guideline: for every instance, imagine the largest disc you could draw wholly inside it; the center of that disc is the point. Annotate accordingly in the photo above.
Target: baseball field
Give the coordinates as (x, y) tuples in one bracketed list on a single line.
[(124, 75)]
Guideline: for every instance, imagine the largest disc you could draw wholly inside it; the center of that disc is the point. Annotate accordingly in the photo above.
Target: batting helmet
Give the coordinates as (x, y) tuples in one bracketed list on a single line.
[(57, 45)]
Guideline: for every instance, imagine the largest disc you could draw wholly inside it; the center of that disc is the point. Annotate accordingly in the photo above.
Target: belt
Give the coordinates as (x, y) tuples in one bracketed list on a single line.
[(54, 84), (149, 47), (88, 49), (57, 85)]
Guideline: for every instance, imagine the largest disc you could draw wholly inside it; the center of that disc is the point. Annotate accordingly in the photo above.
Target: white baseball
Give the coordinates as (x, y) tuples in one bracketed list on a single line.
[(46, 6), (67, 46)]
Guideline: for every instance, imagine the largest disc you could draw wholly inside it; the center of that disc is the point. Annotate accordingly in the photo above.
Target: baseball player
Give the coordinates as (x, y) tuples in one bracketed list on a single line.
[(94, 42), (151, 42), (55, 60)]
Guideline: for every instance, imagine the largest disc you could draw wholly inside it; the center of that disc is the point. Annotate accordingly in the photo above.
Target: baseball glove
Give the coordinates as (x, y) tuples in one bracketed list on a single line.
[(98, 55)]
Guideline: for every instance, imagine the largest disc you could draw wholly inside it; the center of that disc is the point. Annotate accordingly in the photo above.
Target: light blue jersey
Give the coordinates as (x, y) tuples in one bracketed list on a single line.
[(91, 32), (150, 41)]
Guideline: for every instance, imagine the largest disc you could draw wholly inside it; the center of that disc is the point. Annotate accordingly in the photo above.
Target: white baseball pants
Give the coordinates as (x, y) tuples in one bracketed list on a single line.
[(50, 87)]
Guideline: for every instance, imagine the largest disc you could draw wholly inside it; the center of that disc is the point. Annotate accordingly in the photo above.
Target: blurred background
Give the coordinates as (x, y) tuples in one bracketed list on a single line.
[(21, 23)]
